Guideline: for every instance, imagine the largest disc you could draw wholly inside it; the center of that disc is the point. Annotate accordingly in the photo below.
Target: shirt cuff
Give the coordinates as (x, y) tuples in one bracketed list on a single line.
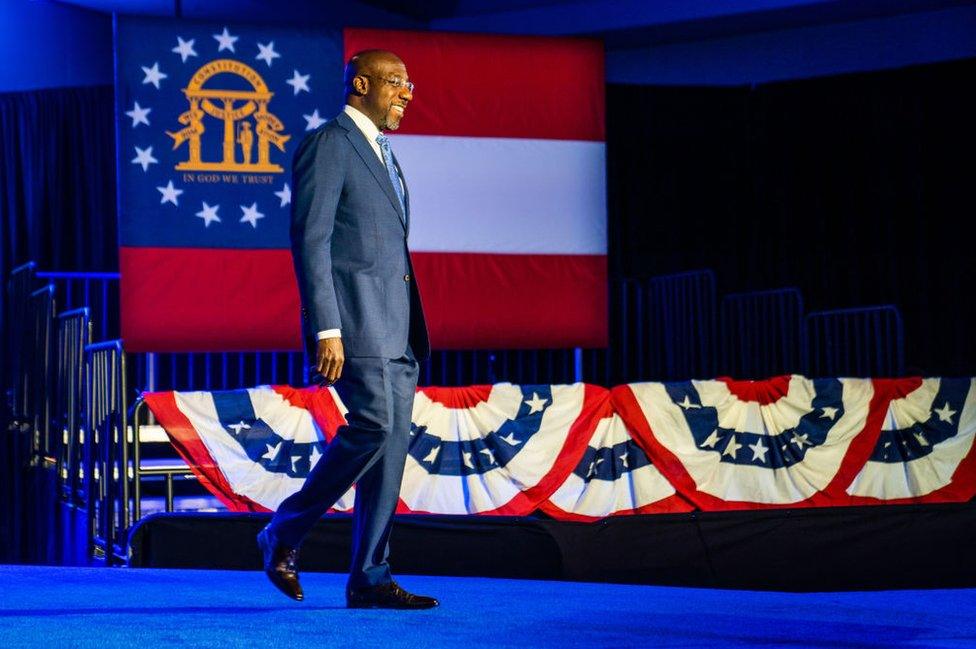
[(328, 333)]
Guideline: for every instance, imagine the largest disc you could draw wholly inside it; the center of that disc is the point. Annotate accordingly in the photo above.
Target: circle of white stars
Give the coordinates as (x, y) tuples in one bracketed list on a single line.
[(154, 75)]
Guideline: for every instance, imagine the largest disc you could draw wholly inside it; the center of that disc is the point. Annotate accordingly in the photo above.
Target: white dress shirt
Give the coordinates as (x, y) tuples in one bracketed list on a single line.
[(369, 129)]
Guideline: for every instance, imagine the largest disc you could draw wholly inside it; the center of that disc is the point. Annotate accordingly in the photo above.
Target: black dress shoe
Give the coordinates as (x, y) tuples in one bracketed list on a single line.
[(386, 596), (280, 565)]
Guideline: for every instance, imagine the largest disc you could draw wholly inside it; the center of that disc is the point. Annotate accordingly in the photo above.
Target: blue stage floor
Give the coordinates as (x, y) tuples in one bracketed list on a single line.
[(146, 609)]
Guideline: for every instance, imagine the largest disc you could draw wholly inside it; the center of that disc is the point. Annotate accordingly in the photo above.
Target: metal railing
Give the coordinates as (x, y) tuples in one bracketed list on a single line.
[(864, 341), (96, 291), (74, 335), (681, 312), (40, 357), (141, 469), (22, 282), (763, 333), (106, 454)]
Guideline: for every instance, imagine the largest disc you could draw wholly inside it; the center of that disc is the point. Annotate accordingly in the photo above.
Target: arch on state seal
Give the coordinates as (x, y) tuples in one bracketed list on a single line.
[(236, 110)]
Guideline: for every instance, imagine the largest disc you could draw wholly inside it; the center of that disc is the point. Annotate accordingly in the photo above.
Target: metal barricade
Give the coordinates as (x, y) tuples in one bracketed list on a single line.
[(22, 282), (681, 313), (106, 453), (216, 370), (763, 333), (96, 291), (168, 469), (74, 335), (41, 379), (865, 341)]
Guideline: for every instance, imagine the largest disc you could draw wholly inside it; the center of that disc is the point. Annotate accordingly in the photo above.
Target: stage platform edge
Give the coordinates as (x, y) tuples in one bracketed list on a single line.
[(838, 548)]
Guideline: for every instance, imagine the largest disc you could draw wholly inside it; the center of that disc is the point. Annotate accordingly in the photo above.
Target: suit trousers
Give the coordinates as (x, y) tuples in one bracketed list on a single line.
[(369, 451)]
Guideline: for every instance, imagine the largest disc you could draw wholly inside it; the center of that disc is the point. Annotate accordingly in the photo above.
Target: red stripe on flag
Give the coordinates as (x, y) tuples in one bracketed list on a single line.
[(496, 86), (203, 299), (477, 300)]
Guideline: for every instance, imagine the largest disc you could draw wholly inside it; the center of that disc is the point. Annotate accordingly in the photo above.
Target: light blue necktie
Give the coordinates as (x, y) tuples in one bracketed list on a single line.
[(391, 169)]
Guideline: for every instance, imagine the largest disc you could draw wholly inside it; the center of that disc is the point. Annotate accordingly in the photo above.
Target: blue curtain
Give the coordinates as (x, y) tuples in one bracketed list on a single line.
[(57, 179)]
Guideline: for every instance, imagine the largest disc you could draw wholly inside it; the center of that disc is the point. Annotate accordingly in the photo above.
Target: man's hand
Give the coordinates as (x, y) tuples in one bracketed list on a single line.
[(329, 359)]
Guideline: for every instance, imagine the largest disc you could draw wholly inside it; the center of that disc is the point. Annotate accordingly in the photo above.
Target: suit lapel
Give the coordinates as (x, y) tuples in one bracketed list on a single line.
[(377, 168)]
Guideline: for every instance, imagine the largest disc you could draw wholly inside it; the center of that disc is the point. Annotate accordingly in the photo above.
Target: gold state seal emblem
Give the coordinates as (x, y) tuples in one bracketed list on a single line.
[(237, 121)]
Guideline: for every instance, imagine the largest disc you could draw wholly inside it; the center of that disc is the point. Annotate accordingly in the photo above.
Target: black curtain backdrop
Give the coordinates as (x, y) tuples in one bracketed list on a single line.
[(57, 179), (857, 189)]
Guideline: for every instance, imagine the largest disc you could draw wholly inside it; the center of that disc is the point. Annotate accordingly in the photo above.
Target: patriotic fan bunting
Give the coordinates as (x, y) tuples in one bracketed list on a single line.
[(502, 450), (253, 448), (582, 452), (925, 450), (614, 477), (749, 444)]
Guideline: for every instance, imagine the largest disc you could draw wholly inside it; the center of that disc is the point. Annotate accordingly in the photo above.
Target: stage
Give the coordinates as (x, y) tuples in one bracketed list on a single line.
[(84, 607)]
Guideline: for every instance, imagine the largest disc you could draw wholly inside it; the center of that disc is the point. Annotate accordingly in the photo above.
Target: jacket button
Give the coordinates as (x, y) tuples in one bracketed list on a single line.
[(406, 278)]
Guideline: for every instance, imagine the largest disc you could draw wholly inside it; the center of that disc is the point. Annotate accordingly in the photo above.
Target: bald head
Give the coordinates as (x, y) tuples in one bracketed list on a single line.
[(377, 85), (367, 62)]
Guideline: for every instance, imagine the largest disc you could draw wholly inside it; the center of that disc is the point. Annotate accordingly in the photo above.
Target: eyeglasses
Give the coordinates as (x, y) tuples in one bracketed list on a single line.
[(396, 82)]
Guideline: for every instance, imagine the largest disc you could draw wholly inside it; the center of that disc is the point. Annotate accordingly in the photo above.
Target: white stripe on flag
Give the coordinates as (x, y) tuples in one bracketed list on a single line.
[(505, 195)]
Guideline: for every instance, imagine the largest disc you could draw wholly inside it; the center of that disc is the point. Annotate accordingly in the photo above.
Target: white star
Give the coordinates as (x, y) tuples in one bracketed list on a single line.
[(432, 456), (153, 75), (313, 121), (688, 404), (272, 451), (184, 48), (467, 459), (800, 440), (299, 82), (138, 114), (829, 413), (712, 439), (169, 193), (732, 447), (208, 214), (144, 157), (239, 427), (592, 470), (225, 40), (945, 414), (294, 461), (535, 404), (491, 456), (921, 439), (316, 454), (623, 459), (284, 195), (251, 215), (759, 450), (511, 439), (267, 53)]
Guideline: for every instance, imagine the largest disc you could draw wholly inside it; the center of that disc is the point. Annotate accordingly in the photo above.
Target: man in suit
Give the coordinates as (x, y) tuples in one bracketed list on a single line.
[(363, 324)]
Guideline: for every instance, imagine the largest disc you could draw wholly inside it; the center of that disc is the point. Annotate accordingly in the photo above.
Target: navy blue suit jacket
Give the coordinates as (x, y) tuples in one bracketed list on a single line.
[(349, 243)]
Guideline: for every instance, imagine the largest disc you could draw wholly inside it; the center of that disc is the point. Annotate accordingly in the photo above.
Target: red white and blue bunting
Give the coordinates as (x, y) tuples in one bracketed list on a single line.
[(582, 452)]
